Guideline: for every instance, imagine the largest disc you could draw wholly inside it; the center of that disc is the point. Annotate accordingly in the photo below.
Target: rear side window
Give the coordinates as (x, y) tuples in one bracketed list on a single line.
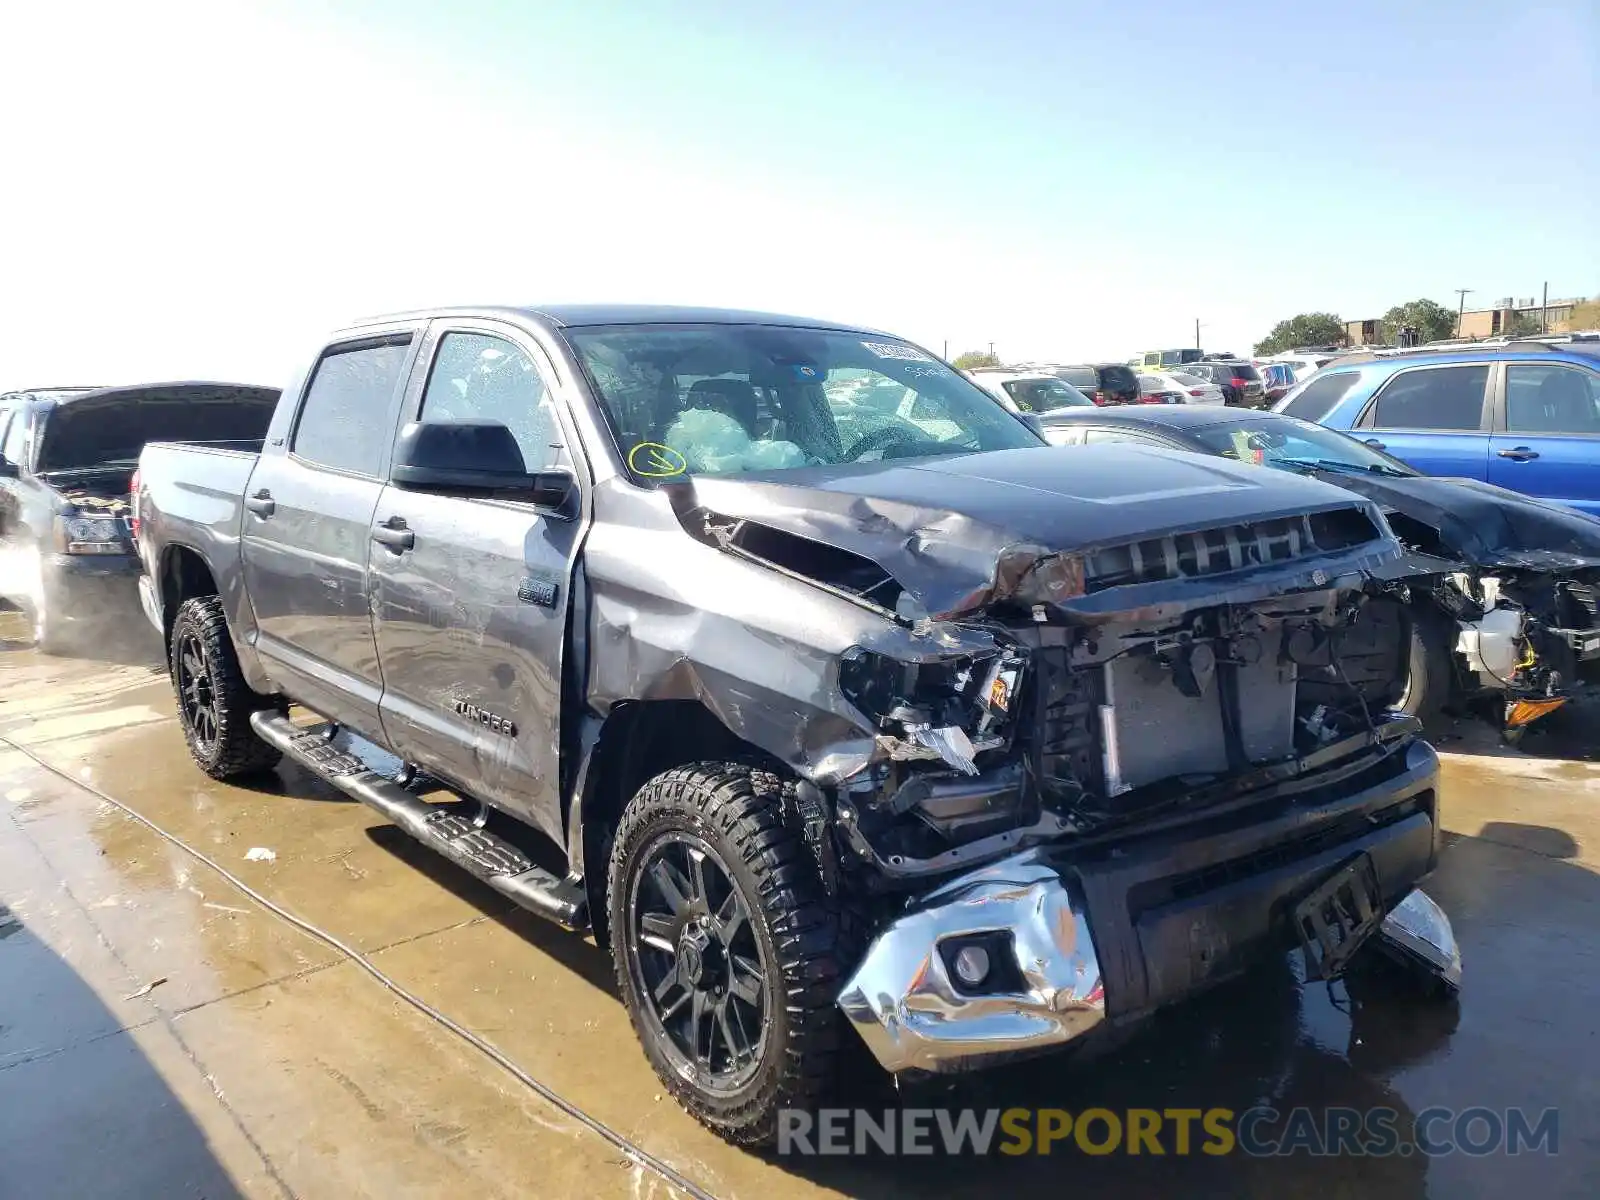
[(343, 422), (1551, 398), (1319, 396), (1436, 398)]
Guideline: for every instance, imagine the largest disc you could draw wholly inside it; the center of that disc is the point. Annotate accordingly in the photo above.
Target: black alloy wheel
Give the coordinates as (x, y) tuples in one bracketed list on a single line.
[(703, 969), (196, 696)]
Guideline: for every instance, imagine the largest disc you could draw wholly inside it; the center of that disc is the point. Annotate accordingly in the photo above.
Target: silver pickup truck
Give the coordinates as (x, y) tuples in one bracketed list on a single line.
[(823, 712)]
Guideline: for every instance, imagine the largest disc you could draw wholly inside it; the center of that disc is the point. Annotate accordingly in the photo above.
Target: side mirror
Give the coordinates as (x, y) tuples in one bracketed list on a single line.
[(1031, 420), (475, 457), (9, 469), (466, 455)]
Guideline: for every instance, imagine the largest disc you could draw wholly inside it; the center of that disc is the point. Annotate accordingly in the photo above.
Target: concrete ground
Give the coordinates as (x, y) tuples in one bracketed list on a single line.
[(162, 1034)]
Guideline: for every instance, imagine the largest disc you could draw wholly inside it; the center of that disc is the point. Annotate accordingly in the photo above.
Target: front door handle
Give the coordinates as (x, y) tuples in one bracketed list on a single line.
[(262, 503), (1375, 444), (394, 535), (1519, 454)]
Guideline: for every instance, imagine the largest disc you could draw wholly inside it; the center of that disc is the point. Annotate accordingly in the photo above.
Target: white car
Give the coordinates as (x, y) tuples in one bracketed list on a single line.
[(1029, 391), (1178, 387), (1303, 365)]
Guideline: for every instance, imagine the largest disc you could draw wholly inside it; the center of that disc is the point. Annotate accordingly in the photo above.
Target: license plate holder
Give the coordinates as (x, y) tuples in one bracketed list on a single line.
[(1337, 917)]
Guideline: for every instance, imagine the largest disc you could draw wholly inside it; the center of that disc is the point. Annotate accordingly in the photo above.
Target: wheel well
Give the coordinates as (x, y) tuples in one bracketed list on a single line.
[(639, 740), (184, 575)]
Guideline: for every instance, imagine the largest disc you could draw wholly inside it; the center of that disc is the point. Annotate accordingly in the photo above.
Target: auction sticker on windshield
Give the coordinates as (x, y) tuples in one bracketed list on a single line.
[(897, 350)]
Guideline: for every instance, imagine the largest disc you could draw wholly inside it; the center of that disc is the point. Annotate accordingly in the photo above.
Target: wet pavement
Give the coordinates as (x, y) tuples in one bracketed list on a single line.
[(162, 1034)]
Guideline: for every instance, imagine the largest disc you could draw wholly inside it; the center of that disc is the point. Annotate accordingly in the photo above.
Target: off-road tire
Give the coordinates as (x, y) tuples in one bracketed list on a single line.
[(1430, 668), (236, 751), (739, 812)]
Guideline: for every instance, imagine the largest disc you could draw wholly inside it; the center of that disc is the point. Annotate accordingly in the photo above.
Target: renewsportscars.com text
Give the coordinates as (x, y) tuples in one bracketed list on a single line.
[(1258, 1132)]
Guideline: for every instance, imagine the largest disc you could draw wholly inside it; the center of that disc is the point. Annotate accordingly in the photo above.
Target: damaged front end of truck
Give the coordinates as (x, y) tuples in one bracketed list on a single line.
[(1029, 758)]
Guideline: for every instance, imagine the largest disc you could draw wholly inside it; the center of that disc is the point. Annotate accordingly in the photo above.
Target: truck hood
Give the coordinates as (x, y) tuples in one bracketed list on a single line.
[(112, 425), (1484, 525), (964, 531)]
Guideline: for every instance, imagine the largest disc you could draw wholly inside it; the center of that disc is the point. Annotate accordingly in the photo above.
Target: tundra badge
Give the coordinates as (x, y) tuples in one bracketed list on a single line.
[(493, 722)]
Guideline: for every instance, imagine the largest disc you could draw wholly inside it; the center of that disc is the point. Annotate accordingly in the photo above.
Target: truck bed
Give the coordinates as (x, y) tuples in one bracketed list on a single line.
[(191, 494)]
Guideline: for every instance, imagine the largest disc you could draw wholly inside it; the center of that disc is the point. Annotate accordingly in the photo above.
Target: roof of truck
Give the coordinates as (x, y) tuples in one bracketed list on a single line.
[(576, 315)]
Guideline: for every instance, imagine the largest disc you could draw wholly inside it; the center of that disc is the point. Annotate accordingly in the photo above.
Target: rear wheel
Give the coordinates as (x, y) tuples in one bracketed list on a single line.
[(726, 948), (214, 702)]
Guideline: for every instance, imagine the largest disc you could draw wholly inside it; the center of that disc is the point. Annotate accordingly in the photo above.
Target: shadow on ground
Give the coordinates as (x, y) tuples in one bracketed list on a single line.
[(86, 1113)]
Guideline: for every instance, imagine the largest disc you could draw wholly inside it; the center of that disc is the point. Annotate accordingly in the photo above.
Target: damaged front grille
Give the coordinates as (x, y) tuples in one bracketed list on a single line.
[(1229, 548)]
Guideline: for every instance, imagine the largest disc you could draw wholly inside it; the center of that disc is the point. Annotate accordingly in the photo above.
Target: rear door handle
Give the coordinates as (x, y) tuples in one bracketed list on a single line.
[(262, 503), (1519, 453), (394, 535), (1375, 444)]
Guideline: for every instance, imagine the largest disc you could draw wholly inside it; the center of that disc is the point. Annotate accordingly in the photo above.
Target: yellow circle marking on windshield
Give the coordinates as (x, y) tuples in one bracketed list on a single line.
[(656, 461)]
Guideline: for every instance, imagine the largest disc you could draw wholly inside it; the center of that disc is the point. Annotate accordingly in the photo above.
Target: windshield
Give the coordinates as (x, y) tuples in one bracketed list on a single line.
[(1281, 441), (730, 399), (1079, 377), (1043, 395)]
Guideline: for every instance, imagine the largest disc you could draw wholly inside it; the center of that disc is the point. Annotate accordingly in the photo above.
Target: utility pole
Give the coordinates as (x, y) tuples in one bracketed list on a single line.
[(991, 349), (947, 349), (1461, 309), (1544, 309), (1197, 333)]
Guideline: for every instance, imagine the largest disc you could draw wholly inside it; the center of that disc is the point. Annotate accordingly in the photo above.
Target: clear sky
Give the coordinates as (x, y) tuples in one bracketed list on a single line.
[(199, 189)]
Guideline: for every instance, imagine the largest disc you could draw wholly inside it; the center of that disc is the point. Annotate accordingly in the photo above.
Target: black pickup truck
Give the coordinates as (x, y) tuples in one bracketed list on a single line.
[(822, 715)]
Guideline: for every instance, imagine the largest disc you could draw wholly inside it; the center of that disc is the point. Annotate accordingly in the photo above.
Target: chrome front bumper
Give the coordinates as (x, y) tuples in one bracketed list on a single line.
[(914, 1016)]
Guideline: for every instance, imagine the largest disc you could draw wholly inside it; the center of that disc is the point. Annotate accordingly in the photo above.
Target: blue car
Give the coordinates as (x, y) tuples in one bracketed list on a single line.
[(1524, 416)]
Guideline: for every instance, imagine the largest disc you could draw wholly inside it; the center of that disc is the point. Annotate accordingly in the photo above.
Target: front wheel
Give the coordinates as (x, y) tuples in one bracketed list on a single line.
[(214, 702), (726, 948)]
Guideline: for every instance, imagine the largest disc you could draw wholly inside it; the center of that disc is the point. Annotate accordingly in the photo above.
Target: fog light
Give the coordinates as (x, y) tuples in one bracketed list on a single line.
[(972, 965)]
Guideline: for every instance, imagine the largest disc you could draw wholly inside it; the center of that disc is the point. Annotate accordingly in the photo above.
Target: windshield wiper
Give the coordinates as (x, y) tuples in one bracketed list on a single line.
[(1332, 464)]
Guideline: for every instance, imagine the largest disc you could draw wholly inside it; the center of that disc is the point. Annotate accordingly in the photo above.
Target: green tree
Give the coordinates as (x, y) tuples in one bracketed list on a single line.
[(1522, 325), (975, 358), (1307, 329), (1585, 315), (1431, 320)]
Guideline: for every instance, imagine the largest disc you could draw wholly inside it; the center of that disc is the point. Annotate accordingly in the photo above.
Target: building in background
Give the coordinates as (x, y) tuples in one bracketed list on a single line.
[(1492, 322), (1363, 333)]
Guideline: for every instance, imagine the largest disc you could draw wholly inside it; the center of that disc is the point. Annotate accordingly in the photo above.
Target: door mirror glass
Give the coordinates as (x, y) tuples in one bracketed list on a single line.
[(8, 469), (1031, 420)]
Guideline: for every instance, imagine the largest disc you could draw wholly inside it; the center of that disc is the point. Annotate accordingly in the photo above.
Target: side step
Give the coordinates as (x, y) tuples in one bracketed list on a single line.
[(440, 827)]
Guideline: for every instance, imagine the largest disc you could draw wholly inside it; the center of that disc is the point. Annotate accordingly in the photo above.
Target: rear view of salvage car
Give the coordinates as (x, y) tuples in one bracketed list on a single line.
[(847, 702)]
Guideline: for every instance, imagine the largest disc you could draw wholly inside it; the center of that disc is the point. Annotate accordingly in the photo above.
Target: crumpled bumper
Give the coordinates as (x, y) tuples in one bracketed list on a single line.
[(907, 1003)]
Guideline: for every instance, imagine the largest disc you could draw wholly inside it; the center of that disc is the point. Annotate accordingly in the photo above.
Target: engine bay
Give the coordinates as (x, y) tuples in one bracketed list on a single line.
[(1074, 731)]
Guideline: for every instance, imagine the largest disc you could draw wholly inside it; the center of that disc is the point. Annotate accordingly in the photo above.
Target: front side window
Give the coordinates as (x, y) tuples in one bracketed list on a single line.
[(733, 399), (1433, 398), (1551, 398), (344, 421), (14, 448), (476, 376)]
